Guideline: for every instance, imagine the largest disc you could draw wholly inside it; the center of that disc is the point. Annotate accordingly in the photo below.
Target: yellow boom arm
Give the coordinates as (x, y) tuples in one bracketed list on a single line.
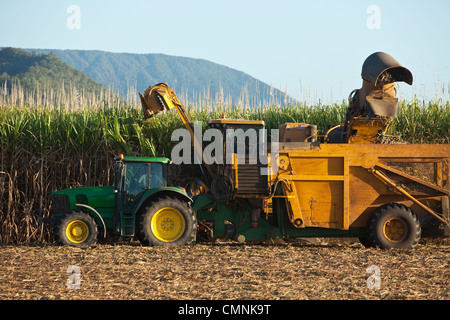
[(160, 97)]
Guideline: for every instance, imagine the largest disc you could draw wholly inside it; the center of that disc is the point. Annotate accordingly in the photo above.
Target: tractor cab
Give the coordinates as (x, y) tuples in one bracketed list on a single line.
[(133, 176)]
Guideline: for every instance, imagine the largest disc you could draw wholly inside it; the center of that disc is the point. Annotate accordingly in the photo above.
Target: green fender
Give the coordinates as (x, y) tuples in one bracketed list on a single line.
[(161, 192)]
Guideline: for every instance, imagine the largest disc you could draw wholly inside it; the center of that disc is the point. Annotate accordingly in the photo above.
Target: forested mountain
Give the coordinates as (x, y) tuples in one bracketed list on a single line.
[(32, 69), (187, 76)]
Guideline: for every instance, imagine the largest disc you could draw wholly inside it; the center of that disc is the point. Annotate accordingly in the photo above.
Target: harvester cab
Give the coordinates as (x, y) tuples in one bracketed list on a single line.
[(373, 106), (243, 157)]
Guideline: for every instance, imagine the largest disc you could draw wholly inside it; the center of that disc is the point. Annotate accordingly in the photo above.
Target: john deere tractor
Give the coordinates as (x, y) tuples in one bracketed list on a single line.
[(141, 204)]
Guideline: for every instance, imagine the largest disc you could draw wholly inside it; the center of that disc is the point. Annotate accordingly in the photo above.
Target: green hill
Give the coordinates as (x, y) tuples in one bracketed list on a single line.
[(31, 69), (187, 76)]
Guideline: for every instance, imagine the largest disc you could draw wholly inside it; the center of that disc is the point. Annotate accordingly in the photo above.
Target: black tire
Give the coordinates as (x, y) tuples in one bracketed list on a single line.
[(394, 226), (167, 221), (77, 229)]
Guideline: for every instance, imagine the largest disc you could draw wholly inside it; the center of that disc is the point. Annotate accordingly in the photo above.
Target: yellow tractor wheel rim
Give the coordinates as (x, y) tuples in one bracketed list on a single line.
[(395, 229), (77, 231), (168, 224)]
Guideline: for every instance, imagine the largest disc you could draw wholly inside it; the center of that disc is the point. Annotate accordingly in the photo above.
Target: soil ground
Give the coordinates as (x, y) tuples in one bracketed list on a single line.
[(294, 271)]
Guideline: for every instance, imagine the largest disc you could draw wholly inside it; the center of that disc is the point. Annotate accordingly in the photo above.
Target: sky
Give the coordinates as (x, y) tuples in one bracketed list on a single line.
[(314, 50)]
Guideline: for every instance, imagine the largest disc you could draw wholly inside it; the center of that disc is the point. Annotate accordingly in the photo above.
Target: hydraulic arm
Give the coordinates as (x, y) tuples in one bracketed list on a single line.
[(160, 97)]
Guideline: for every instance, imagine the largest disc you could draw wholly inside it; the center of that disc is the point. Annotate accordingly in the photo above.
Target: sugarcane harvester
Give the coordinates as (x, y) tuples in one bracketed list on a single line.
[(348, 185)]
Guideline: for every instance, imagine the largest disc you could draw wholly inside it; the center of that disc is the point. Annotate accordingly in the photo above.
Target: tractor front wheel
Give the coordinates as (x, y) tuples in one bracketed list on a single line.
[(167, 221), (77, 229)]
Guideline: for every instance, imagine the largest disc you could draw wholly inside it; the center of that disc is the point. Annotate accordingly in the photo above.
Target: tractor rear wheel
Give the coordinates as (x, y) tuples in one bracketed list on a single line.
[(77, 229), (394, 226), (167, 221)]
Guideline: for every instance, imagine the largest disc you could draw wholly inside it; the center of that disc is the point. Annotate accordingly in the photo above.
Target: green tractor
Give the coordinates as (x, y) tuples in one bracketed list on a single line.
[(141, 204)]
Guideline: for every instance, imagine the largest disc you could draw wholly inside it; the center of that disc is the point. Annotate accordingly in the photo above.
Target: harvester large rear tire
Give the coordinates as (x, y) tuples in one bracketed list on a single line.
[(167, 221), (394, 226)]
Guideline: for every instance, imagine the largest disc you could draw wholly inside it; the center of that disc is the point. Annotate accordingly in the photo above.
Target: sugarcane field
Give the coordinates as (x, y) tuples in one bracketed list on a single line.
[(155, 177)]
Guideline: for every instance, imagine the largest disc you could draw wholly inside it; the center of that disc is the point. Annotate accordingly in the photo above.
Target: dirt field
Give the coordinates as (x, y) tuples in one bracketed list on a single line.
[(298, 270)]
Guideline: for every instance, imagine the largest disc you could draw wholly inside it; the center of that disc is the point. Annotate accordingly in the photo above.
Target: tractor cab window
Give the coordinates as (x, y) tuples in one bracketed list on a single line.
[(140, 177)]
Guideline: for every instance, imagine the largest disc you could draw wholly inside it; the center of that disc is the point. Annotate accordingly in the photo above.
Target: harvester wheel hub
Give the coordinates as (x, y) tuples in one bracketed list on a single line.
[(395, 229)]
